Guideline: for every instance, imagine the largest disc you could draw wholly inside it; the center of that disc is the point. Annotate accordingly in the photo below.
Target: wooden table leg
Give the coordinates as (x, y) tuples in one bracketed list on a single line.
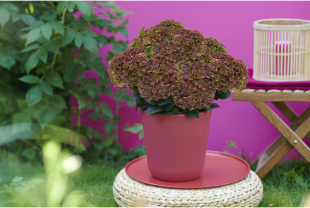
[(281, 140), (290, 114), (287, 111), (291, 137)]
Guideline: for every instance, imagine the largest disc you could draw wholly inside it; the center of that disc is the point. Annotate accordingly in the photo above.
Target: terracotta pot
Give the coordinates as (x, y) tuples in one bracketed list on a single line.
[(176, 145)]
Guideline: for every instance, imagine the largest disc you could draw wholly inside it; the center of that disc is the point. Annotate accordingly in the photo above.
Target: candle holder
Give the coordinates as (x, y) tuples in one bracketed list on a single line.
[(281, 50)]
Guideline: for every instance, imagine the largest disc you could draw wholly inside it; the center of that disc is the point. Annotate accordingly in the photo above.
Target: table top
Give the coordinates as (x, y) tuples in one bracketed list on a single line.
[(272, 95)]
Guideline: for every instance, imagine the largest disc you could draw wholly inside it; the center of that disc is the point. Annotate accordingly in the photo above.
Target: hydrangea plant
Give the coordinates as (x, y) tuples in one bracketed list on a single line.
[(174, 70)]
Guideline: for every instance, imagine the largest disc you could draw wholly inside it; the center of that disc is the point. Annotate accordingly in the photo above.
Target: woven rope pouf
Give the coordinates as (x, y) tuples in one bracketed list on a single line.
[(131, 193)]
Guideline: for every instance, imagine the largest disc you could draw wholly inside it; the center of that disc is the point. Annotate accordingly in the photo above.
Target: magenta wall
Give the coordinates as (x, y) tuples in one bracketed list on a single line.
[(232, 24)]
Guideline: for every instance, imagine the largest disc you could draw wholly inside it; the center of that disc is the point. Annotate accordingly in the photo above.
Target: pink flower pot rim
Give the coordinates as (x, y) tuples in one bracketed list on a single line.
[(175, 114)]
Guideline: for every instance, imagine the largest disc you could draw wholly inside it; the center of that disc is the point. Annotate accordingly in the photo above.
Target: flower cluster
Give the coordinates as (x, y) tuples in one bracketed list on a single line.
[(170, 60)]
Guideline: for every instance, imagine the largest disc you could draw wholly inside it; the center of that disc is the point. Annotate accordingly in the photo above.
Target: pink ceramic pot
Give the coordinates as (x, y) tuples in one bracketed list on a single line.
[(176, 145)]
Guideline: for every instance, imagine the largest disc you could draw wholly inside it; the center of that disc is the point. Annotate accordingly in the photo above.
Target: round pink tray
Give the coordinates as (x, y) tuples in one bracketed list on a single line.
[(220, 169)]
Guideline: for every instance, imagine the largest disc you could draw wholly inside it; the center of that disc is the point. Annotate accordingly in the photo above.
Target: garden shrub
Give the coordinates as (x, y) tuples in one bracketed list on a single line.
[(45, 50)]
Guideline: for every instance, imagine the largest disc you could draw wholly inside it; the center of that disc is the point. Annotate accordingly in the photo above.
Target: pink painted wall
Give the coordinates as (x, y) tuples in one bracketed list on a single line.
[(232, 24)]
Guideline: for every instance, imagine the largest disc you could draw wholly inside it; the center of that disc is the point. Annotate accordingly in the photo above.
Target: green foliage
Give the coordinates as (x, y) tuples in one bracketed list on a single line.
[(168, 60), (44, 54), (167, 106), (229, 146), (21, 186), (137, 128)]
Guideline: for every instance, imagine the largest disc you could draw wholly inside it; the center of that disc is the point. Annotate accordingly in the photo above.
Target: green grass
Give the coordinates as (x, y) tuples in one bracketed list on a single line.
[(287, 184), (95, 182)]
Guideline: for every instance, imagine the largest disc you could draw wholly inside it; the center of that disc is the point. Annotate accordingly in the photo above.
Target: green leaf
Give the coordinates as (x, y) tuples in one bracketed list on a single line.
[(225, 95), (31, 62), (82, 104), (4, 16), (141, 135), (193, 113), (174, 110), (45, 114), (61, 6), (90, 44), (134, 129), (91, 92), (30, 79), (125, 22), (23, 189), (104, 22), (34, 95), (169, 106), (54, 79), (46, 30), (5, 36), (84, 8), (79, 38), (46, 88), (21, 103), (42, 54), (33, 35), (37, 181), (15, 17), (48, 15), (69, 36), (152, 102), (110, 56), (221, 95), (28, 19), (117, 49), (231, 144), (7, 61), (107, 142), (17, 179), (209, 109), (71, 4), (117, 118), (145, 106), (58, 101), (99, 145), (109, 127), (124, 32), (29, 153), (107, 112), (31, 47), (214, 105), (10, 6), (57, 26), (153, 109), (165, 101), (97, 134), (89, 32), (52, 45)]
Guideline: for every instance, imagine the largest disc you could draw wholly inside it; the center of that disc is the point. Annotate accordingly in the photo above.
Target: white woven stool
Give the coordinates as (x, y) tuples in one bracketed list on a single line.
[(131, 193)]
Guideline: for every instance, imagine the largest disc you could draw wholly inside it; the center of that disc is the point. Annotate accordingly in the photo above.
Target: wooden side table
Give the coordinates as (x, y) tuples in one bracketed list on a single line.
[(291, 136)]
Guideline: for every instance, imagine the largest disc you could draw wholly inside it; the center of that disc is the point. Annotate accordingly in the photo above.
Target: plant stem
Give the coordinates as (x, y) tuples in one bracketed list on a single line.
[(79, 118), (63, 15), (116, 113), (54, 60)]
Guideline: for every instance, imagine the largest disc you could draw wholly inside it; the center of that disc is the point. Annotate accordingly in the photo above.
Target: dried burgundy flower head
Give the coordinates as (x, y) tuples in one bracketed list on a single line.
[(170, 60)]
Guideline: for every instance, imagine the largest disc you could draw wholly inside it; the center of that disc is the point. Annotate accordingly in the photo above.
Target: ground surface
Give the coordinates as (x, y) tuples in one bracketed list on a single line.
[(286, 185)]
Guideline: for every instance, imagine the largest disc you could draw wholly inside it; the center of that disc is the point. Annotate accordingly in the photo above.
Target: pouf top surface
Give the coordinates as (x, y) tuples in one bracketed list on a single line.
[(220, 169)]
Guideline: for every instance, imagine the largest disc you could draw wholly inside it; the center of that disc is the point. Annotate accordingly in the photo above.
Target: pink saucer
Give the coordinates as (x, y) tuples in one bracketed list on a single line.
[(220, 169)]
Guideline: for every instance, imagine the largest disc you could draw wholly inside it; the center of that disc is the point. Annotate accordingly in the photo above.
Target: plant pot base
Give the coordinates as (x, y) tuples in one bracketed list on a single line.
[(220, 169)]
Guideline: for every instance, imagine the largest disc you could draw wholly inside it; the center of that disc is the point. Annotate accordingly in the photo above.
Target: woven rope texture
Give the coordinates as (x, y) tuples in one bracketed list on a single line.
[(131, 193)]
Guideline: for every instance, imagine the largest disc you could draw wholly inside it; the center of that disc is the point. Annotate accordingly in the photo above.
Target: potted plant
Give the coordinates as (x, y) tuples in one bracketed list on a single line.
[(176, 74)]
